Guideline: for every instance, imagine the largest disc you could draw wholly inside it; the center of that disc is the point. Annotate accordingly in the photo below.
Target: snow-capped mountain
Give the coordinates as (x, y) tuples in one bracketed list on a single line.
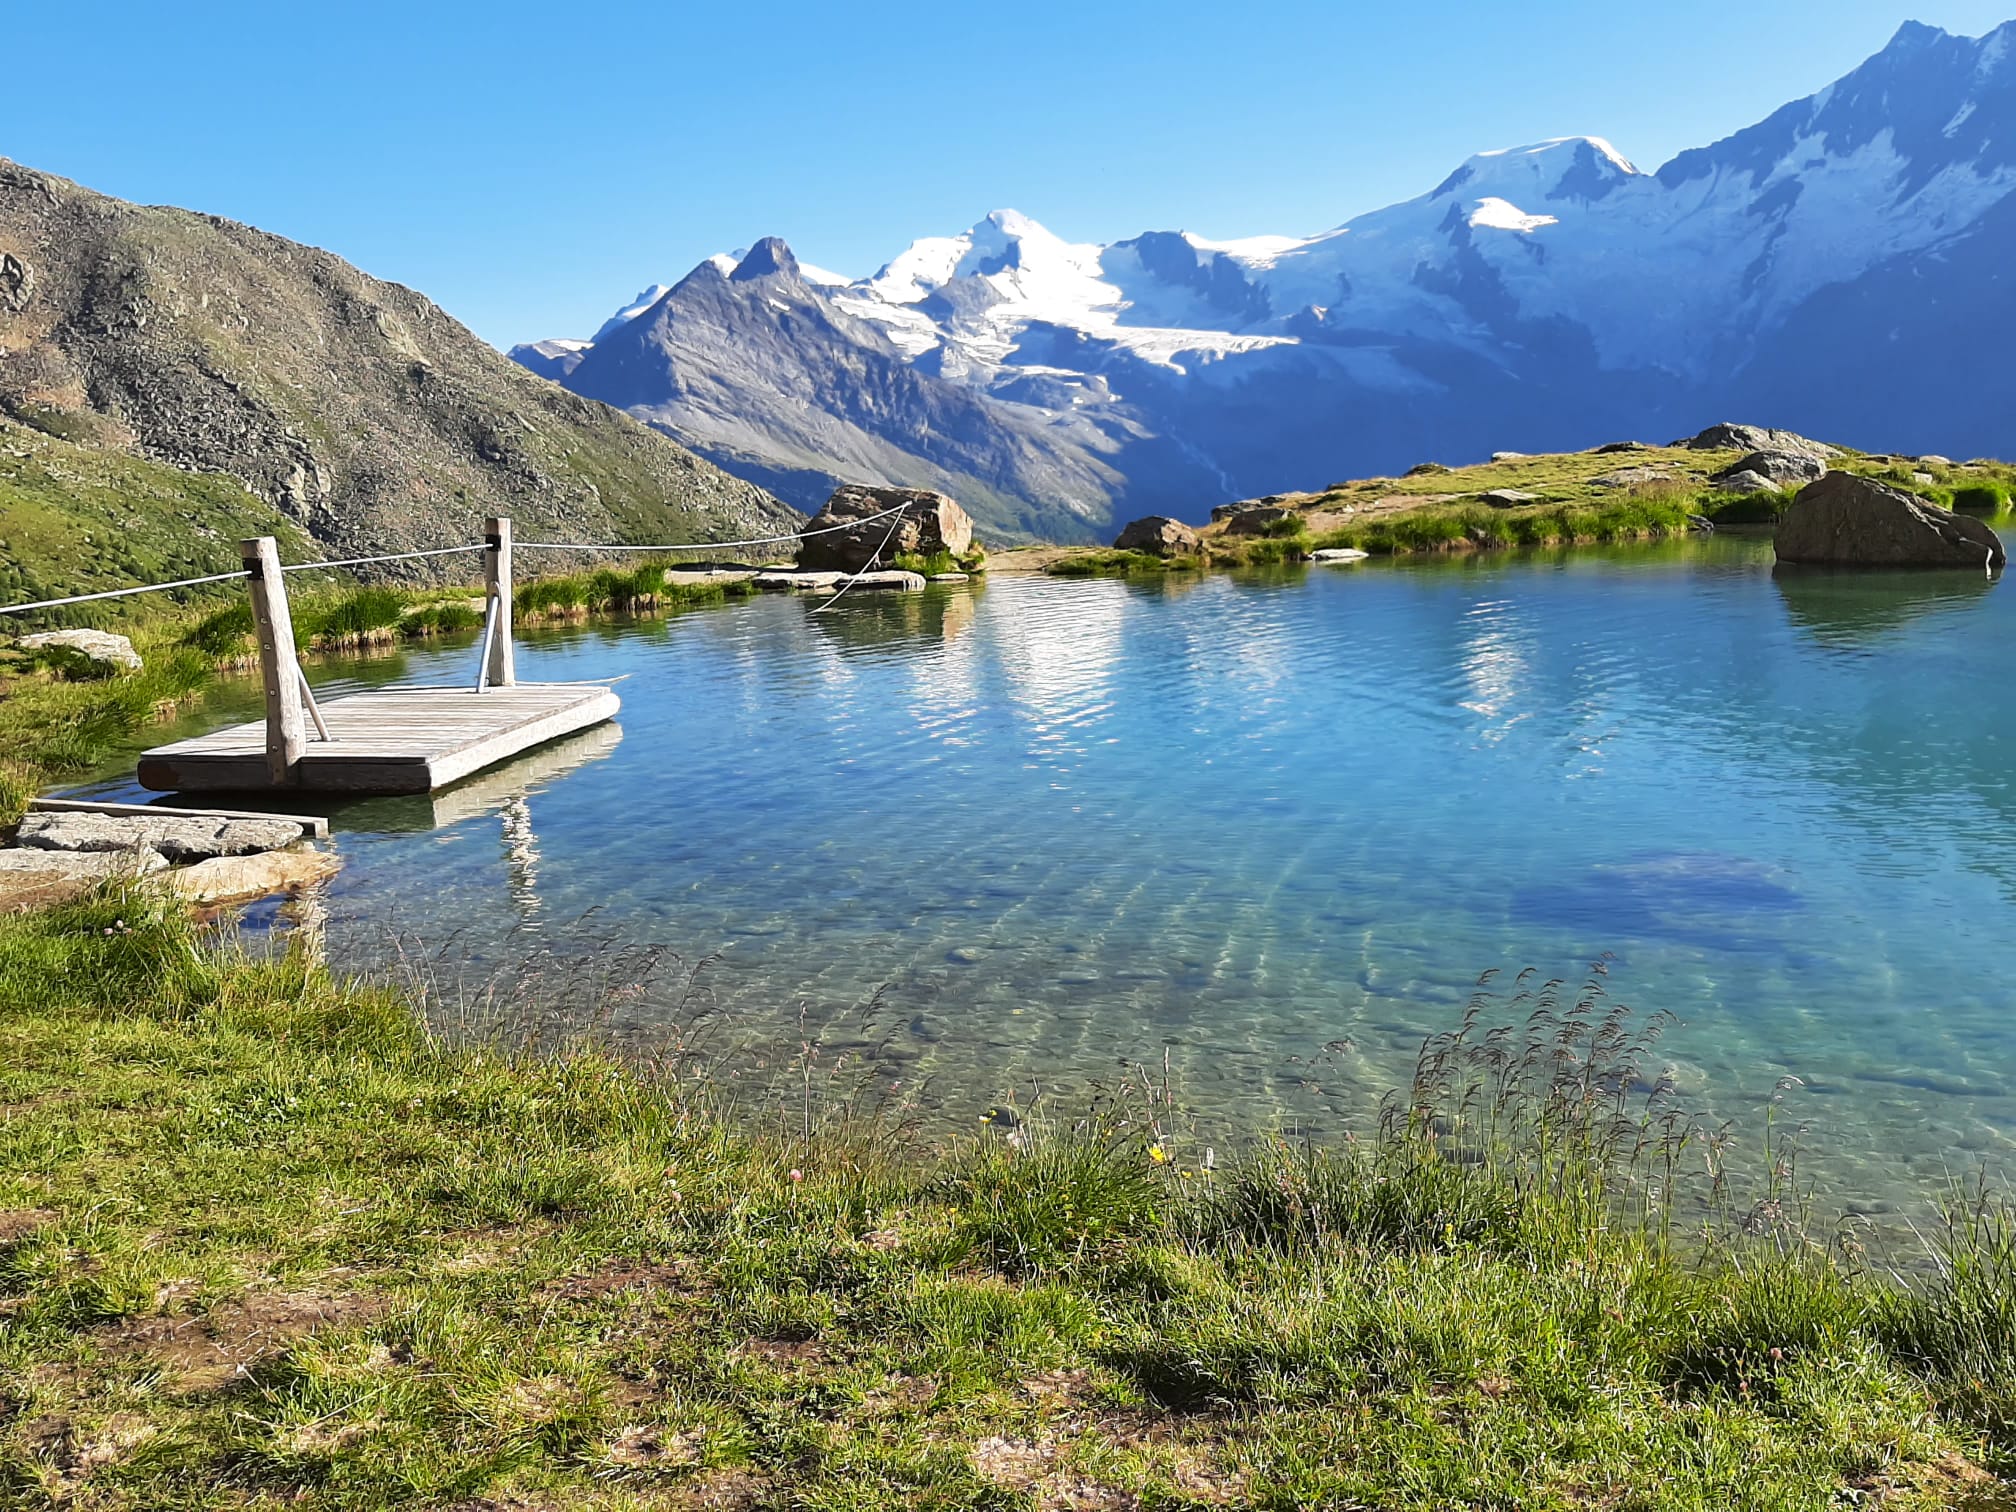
[(1838, 267)]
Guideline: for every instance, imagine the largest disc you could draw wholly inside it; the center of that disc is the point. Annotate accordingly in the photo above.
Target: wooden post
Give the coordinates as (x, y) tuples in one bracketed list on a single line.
[(278, 664), (498, 666)]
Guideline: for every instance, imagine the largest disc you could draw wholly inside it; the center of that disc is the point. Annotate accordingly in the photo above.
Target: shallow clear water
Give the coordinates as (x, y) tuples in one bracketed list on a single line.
[(1059, 826)]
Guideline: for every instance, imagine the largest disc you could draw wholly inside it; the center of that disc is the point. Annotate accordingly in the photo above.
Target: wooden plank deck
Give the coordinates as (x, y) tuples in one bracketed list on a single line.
[(391, 740)]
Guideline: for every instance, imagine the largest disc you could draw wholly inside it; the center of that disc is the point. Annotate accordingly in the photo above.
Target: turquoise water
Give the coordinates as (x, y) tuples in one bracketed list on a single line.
[(1018, 835)]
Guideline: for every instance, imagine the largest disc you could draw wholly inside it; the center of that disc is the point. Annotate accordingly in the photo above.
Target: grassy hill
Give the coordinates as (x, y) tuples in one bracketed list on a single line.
[(353, 408)]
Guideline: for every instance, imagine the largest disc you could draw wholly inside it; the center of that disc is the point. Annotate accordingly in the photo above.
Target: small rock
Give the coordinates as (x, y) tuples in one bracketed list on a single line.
[(949, 577), (1933, 459), (100, 646), (1339, 554), (1224, 512), (1508, 498), (235, 879), (1633, 477), (1610, 447), (1745, 483), (1504, 456), (1158, 534)]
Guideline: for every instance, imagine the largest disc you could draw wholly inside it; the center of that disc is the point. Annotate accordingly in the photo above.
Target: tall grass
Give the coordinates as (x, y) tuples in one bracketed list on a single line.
[(1460, 527)]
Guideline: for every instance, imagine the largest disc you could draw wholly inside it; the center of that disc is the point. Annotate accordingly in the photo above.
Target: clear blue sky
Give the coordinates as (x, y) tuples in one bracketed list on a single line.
[(531, 166)]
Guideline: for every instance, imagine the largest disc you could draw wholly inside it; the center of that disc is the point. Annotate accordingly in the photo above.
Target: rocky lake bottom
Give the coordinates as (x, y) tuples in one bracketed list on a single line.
[(1262, 832)]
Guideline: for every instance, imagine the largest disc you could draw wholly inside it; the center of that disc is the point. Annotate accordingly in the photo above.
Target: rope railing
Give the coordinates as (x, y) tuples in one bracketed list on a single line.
[(441, 551)]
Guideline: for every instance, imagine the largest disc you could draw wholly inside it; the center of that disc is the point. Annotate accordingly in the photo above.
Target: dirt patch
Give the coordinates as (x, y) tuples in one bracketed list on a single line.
[(788, 1354), (17, 1224), (614, 1276), (75, 1453), (641, 1448), (1059, 1388), (1034, 1467), (722, 1491), (204, 1352)]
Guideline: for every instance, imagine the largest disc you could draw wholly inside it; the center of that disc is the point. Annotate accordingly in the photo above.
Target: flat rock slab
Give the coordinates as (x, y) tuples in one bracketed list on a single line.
[(31, 879), (174, 839), (238, 879), (1509, 498), (797, 582), (99, 645), (691, 577), (1335, 554), (891, 582), (950, 577)]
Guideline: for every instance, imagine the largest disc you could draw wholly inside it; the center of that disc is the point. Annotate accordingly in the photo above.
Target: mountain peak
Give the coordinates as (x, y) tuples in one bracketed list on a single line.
[(769, 257), (1573, 167), (1915, 34)]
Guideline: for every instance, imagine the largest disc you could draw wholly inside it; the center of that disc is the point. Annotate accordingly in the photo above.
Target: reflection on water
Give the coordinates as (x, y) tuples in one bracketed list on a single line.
[(1052, 826)]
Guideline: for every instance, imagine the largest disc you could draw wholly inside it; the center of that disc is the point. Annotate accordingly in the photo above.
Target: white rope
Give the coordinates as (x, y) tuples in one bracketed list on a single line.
[(112, 593), (397, 556), (410, 556), (796, 535), (842, 593)]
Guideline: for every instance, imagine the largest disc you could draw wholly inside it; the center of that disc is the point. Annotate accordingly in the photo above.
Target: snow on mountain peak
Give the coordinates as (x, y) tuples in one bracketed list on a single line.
[(1577, 167), (632, 310)]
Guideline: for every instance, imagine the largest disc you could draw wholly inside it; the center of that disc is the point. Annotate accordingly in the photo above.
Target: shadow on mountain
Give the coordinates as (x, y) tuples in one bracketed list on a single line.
[(1851, 609)]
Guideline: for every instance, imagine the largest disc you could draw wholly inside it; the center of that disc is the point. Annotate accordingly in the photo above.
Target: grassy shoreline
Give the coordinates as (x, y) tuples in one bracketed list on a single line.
[(264, 1238)]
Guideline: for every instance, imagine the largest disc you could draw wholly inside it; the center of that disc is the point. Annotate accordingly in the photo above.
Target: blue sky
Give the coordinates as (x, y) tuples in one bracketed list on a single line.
[(530, 166)]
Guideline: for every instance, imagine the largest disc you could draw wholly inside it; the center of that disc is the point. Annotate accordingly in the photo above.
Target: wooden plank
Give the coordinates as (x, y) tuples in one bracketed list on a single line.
[(313, 826)]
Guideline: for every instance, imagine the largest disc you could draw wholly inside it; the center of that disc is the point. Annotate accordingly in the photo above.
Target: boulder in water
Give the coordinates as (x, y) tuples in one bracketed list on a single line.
[(930, 523), (1158, 535), (1849, 521)]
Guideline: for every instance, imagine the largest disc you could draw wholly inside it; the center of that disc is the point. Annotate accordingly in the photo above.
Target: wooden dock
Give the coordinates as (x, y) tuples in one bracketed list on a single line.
[(396, 740)]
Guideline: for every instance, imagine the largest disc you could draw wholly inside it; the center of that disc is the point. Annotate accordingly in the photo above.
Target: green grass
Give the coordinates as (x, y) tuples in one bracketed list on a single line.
[(1120, 564), (929, 564), (1475, 526), (269, 1241), (1987, 497)]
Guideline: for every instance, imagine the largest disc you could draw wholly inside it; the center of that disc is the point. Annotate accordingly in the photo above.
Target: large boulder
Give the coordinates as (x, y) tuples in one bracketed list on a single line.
[(1259, 521), (930, 523), (1849, 521), (1158, 535), (109, 651), (1771, 471), (1753, 438)]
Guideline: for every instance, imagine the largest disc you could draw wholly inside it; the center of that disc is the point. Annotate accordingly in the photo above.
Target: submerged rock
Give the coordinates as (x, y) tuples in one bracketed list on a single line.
[(1159, 535), (100, 646), (1849, 521), (236, 879), (930, 523)]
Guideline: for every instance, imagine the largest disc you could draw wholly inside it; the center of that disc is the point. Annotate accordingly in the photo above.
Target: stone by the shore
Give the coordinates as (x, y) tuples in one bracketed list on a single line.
[(1509, 498), (100, 646), (690, 577), (930, 523), (237, 879), (1158, 535), (1753, 438), (31, 879), (1849, 521), (173, 839), (950, 577), (1334, 554)]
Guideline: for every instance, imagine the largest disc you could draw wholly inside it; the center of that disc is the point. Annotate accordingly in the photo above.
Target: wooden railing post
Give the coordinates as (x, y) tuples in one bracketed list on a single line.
[(278, 664), (499, 668)]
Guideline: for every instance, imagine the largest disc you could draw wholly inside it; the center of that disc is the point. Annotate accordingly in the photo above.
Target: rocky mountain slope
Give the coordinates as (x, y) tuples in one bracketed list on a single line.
[(1544, 298), (353, 408)]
